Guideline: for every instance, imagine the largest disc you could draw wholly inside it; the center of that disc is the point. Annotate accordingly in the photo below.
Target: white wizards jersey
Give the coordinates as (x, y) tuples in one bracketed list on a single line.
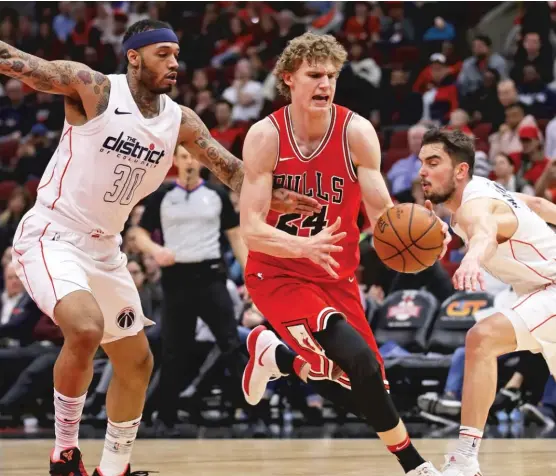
[(527, 260), (101, 169)]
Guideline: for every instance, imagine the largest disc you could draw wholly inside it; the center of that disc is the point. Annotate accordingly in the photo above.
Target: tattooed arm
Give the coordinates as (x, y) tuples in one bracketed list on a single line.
[(196, 138), (79, 83)]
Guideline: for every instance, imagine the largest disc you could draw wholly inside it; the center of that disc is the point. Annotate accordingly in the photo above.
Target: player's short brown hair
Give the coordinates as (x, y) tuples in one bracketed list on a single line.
[(311, 47), (459, 146)]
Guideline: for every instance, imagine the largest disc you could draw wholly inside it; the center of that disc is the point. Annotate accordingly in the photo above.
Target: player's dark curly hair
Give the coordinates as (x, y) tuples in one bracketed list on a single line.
[(459, 146)]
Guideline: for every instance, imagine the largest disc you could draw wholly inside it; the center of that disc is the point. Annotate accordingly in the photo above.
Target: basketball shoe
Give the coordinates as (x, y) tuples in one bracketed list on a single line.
[(426, 469), (127, 472), (262, 366), (69, 464), (459, 465)]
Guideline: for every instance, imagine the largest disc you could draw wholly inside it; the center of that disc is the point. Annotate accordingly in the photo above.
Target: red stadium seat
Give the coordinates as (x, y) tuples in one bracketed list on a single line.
[(6, 189), (542, 123), (31, 187), (482, 130), (398, 140), (391, 156), (8, 150), (405, 55)]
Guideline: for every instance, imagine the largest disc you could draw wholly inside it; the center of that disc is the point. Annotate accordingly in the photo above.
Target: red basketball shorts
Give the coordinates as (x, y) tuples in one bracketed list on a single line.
[(296, 308)]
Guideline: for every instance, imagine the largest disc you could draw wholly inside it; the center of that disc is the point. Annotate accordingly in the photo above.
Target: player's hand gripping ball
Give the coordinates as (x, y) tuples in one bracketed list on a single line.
[(408, 238)]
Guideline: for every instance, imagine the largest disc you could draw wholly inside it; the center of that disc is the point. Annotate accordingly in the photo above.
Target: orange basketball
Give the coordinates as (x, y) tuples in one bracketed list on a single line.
[(408, 238)]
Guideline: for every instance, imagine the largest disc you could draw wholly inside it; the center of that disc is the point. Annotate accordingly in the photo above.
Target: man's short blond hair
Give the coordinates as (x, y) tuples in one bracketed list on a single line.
[(311, 47)]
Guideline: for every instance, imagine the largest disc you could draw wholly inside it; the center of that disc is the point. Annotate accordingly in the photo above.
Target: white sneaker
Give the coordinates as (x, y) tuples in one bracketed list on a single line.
[(426, 469), (262, 366), (459, 465)]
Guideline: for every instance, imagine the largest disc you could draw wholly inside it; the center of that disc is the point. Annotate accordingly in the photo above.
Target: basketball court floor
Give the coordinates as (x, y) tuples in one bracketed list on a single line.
[(322, 457)]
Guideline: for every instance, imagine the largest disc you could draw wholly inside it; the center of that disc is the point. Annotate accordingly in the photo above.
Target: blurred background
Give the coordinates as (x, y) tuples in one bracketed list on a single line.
[(486, 68)]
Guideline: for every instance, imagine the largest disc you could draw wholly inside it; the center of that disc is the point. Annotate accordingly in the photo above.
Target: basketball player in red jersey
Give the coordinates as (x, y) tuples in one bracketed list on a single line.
[(300, 270)]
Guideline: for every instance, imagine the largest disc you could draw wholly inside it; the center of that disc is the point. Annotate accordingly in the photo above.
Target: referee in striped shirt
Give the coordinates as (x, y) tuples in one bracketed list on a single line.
[(192, 215)]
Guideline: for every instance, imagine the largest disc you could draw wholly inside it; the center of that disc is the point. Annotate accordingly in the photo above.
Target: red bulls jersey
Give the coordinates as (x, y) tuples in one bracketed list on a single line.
[(329, 176)]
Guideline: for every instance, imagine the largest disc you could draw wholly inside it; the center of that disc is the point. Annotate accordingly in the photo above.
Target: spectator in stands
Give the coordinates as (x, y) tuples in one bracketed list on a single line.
[(440, 31), (398, 104), (395, 27), (459, 120), (506, 140), (536, 95), (245, 94), (152, 272), (472, 70), (204, 107), (483, 104), (404, 171), (550, 140), (287, 30), (15, 115), (18, 317), (362, 26), (63, 23), (229, 136), (33, 155), (48, 45), (49, 110), (532, 51), (363, 66), (533, 161), (264, 34), (442, 97), (18, 204), (505, 175), (231, 48)]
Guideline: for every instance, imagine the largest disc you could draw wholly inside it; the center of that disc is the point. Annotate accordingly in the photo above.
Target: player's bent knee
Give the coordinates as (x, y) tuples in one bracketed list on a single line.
[(84, 339), (81, 321), (363, 365), (136, 373), (491, 336)]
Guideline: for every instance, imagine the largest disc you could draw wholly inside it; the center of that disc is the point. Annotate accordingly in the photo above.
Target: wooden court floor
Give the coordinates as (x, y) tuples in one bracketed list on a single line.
[(283, 457)]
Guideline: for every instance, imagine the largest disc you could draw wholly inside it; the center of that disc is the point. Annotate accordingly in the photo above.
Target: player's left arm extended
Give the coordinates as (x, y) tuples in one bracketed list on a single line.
[(477, 220), (196, 138), (541, 206), (365, 154)]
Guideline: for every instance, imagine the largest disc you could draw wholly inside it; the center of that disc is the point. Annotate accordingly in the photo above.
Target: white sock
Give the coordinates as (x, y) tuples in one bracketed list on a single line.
[(68, 412), (117, 446), (469, 441)]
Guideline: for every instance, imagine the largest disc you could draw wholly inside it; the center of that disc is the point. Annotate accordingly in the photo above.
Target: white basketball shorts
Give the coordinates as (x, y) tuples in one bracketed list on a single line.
[(53, 260), (533, 316)]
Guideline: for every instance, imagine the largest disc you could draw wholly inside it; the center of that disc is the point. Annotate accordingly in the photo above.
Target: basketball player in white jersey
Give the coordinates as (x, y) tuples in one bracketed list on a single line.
[(116, 148), (507, 235)]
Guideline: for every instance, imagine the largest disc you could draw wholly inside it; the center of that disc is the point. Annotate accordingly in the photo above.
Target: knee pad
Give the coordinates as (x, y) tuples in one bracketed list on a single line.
[(363, 365)]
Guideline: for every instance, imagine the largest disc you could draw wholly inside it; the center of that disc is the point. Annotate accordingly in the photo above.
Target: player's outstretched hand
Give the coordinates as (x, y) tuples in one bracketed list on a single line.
[(164, 256), (288, 201), (469, 276), (445, 229), (320, 246)]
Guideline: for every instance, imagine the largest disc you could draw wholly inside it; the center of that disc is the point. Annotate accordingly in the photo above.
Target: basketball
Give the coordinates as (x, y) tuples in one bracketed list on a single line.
[(408, 238)]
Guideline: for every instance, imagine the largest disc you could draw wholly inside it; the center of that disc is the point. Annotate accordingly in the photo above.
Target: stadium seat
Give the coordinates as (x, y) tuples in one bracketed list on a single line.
[(6, 189), (455, 317), (8, 150), (406, 318), (398, 140), (391, 156), (482, 131)]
